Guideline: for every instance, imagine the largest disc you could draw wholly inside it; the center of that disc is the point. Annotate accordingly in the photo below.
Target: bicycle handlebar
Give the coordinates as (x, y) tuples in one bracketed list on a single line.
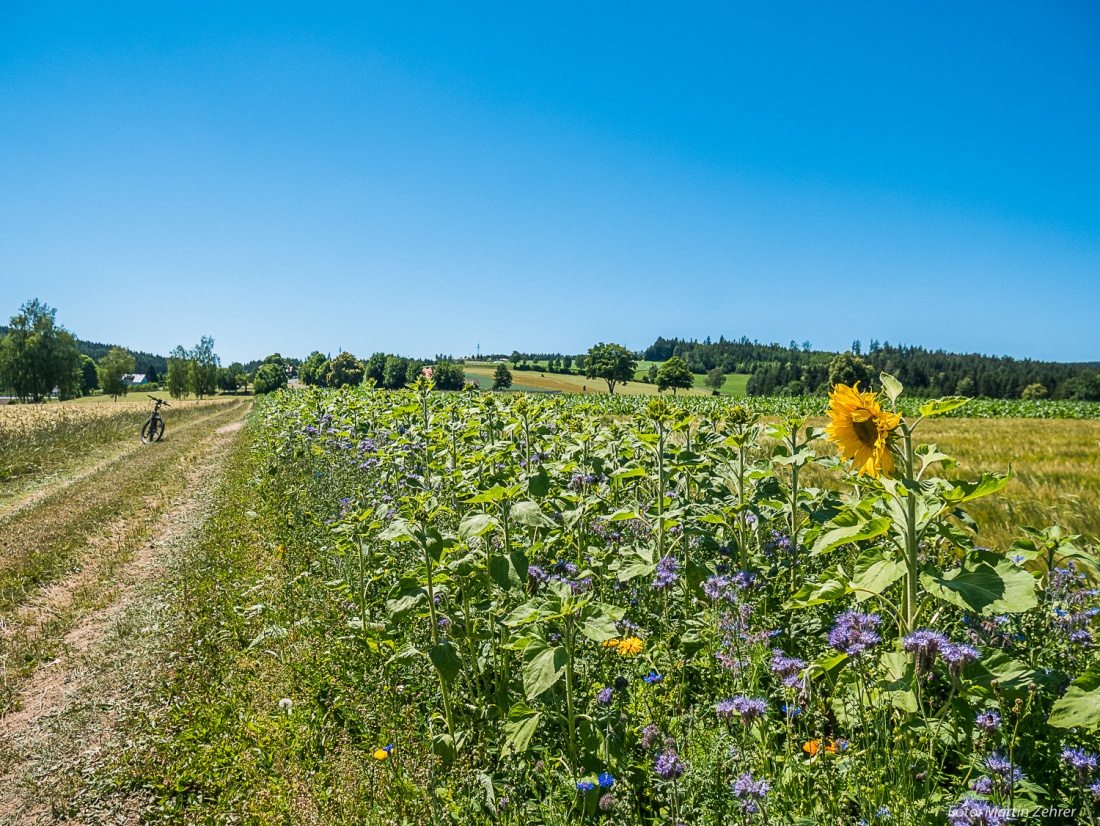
[(160, 401)]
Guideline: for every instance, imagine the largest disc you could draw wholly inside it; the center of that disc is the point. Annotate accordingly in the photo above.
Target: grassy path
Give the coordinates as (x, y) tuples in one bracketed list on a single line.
[(61, 554)]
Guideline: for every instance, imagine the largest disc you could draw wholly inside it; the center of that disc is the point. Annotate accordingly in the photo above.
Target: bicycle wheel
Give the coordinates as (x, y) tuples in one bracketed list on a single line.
[(153, 430)]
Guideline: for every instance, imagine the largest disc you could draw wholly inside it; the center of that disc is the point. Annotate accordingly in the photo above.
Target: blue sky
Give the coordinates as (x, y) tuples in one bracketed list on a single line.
[(423, 177)]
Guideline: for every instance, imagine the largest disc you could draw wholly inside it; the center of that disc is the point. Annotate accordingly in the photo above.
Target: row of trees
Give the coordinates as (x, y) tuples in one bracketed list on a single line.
[(383, 370)]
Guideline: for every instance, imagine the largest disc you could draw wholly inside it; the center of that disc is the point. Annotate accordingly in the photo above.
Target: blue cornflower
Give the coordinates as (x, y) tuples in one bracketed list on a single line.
[(653, 678), (605, 780), (584, 787)]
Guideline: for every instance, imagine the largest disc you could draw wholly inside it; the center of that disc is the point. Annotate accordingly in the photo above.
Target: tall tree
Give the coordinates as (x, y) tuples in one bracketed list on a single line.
[(502, 378), (37, 355), (112, 367), (89, 377), (312, 370), (203, 369), (344, 371), (179, 373), (448, 375), (674, 375), (611, 362), (270, 376), (376, 369), (715, 379)]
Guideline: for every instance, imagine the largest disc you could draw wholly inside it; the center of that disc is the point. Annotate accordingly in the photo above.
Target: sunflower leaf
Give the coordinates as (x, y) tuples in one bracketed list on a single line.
[(938, 407), (834, 538), (890, 386)]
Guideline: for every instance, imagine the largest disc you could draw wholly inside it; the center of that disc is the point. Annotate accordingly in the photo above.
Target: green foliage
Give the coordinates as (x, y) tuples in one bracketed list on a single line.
[(448, 375), (89, 376), (674, 375), (312, 371), (612, 363), (37, 355), (513, 589), (344, 371), (179, 373), (116, 364), (1034, 391), (848, 368), (202, 368), (269, 378), (716, 378), (395, 372), (502, 377)]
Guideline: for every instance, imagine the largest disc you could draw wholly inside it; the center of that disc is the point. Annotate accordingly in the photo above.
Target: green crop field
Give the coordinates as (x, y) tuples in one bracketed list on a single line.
[(416, 607)]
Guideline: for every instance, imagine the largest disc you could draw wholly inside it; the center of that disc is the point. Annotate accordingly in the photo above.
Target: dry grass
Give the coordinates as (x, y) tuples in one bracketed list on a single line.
[(568, 383)]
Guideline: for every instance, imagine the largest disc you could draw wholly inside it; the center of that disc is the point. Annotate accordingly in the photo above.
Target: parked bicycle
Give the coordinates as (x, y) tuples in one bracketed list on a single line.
[(154, 428)]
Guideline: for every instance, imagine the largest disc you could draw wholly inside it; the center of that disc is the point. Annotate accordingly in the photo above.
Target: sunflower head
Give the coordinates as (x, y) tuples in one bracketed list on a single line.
[(861, 429)]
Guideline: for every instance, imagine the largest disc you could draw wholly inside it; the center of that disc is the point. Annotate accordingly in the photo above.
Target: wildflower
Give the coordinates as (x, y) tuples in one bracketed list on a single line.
[(787, 668), (629, 646), (861, 429), (750, 792), (983, 785), (924, 645), (653, 678), (989, 721), (668, 765), (958, 654), (667, 567), (829, 746), (383, 753), (883, 813), (444, 623), (650, 735), (998, 765), (606, 780), (584, 786), (716, 587), (1082, 762), (608, 802), (606, 696), (286, 704), (747, 707), (854, 632), (1095, 789)]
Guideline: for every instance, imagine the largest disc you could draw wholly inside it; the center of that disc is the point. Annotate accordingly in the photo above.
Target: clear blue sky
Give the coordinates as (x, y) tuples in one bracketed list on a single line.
[(539, 176)]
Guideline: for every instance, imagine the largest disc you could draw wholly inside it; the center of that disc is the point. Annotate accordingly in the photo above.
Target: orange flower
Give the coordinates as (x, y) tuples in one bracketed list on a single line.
[(829, 746)]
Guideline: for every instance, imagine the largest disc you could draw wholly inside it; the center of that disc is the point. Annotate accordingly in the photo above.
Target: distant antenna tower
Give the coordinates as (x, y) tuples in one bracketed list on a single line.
[(479, 351)]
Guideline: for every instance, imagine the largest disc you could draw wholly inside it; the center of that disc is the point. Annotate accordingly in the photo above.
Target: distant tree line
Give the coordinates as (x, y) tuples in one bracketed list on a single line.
[(382, 370), (797, 369)]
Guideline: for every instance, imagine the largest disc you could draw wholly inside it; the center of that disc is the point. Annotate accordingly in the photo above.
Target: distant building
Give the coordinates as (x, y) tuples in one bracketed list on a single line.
[(135, 378)]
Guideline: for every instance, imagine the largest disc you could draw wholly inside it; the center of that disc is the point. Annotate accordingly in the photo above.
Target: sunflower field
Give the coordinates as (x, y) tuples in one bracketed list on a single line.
[(486, 608)]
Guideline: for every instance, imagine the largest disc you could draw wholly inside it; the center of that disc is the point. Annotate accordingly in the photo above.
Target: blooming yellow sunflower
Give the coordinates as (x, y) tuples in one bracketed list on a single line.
[(861, 429), (629, 646)]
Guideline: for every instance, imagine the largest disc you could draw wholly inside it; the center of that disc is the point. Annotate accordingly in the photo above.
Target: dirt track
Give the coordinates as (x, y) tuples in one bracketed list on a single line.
[(60, 711)]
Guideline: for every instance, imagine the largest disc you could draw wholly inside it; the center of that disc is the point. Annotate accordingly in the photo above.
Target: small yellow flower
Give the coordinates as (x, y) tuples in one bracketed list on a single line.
[(611, 643), (383, 753), (861, 429), (629, 647)]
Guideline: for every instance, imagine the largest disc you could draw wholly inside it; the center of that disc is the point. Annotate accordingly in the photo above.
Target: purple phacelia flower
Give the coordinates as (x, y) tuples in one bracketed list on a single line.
[(989, 721), (854, 633), (666, 573), (667, 765), (750, 792)]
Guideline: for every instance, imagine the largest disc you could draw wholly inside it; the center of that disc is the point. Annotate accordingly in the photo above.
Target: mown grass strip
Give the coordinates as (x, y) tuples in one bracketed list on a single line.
[(86, 534)]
